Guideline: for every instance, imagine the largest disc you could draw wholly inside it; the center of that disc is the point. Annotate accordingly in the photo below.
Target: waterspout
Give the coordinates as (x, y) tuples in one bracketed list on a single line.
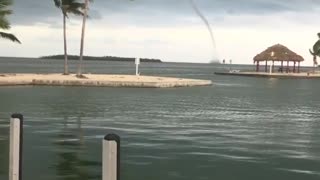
[(199, 13)]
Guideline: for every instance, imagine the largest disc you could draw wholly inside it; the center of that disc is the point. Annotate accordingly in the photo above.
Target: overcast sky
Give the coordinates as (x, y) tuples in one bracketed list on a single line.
[(168, 29)]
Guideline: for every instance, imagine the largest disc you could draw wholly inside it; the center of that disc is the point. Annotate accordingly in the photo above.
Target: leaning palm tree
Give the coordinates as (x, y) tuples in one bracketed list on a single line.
[(315, 52), (86, 4), (68, 7), (85, 16), (4, 23)]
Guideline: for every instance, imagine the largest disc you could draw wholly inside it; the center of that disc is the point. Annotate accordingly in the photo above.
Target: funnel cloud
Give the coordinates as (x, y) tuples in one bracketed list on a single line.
[(204, 19)]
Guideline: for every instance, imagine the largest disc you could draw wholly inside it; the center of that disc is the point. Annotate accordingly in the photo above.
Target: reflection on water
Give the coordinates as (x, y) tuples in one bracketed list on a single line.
[(4, 148), (273, 82), (71, 163)]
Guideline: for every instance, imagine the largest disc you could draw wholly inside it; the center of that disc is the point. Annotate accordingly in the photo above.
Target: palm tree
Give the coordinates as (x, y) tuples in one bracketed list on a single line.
[(4, 23), (68, 7), (86, 4), (315, 52), (85, 16)]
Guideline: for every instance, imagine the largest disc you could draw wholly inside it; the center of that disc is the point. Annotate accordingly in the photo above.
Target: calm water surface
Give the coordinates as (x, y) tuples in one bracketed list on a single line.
[(238, 129)]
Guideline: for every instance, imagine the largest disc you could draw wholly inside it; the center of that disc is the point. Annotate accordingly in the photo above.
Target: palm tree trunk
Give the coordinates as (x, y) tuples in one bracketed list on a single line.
[(65, 46), (79, 73)]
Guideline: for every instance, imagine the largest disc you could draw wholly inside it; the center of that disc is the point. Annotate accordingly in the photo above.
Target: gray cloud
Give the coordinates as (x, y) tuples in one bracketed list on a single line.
[(209, 6), (28, 12), (157, 12)]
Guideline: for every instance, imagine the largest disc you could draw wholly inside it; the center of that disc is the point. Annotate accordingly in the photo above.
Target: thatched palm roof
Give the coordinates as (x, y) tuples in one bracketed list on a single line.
[(278, 52)]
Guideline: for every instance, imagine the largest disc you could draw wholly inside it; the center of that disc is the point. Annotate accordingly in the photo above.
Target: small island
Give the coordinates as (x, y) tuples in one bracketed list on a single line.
[(100, 58), (99, 80)]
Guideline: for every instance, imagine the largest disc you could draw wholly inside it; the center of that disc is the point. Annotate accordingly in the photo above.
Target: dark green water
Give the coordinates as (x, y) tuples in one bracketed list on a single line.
[(238, 129)]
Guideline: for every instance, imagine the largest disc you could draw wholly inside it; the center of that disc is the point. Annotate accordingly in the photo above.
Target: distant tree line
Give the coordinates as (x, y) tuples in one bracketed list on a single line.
[(101, 58)]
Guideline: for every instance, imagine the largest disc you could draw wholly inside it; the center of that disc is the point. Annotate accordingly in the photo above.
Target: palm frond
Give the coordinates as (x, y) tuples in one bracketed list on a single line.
[(77, 5), (76, 12), (5, 3), (57, 3), (65, 13), (68, 2), (4, 23), (5, 12), (316, 47), (10, 37), (312, 53), (70, 6), (4, 8)]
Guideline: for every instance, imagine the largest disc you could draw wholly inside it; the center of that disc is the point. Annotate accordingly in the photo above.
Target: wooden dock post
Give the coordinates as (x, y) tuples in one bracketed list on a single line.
[(111, 157), (16, 139)]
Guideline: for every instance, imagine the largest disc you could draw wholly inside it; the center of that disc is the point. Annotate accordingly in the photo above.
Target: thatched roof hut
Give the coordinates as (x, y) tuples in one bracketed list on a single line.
[(279, 53)]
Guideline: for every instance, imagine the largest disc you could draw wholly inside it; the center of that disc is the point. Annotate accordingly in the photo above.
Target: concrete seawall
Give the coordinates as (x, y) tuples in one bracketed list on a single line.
[(302, 75), (99, 80)]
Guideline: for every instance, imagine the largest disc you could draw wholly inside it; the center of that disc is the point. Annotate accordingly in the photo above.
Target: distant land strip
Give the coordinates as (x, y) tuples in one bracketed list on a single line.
[(100, 58)]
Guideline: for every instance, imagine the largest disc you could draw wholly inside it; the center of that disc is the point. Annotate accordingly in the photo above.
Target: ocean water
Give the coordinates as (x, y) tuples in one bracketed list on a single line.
[(240, 128)]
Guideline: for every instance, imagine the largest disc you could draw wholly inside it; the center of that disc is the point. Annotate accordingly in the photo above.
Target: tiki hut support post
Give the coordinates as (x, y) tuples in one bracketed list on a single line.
[(266, 67), (282, 66), (298, 66), (294, 67), (255, 65), (287, 66), (257, 69), (272, 66)]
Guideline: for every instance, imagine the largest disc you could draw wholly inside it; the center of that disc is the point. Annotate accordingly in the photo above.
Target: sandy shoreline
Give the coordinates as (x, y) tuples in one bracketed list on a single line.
[(103, 80)]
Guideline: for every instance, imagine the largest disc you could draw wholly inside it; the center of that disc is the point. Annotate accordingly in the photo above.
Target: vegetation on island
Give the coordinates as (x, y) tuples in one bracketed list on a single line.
[(101, 58), (4, 22)]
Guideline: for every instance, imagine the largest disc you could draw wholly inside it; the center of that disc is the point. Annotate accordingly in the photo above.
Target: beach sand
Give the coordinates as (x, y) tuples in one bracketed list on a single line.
[(102, 80)]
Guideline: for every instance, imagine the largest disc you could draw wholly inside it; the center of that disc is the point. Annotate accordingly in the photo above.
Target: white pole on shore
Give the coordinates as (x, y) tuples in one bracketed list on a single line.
[(16, 139), (137, 62), (111, 157)]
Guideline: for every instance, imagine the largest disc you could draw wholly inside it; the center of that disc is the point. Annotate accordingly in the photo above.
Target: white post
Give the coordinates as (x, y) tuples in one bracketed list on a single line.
[(272, 65), (16, 139), (111, 157), (137, 62)]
